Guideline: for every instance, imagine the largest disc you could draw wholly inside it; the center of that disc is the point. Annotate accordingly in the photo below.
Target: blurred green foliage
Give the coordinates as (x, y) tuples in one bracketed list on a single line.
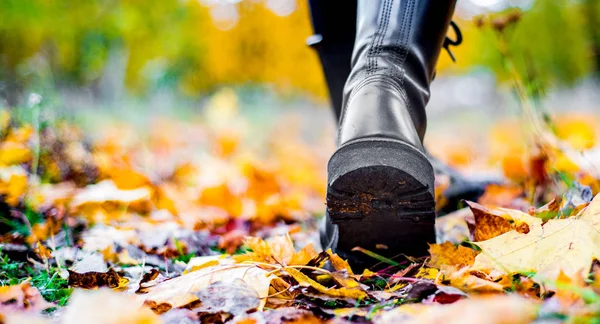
[(554, 42)]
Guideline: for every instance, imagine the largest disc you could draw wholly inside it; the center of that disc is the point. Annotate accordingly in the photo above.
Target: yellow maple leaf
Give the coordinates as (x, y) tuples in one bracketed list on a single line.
[(448, 255), (277, 250), (304, 280), (568, 244)]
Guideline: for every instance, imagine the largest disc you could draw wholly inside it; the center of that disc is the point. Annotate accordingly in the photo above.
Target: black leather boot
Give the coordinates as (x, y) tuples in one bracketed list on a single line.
[(380, 188)]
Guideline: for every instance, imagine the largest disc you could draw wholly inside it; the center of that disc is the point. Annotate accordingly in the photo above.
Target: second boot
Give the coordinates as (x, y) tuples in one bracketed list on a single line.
[(380, 193)]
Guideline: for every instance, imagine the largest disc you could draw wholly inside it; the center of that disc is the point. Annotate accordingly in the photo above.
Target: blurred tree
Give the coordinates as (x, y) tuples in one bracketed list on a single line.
[(195, 45), (166, 43)]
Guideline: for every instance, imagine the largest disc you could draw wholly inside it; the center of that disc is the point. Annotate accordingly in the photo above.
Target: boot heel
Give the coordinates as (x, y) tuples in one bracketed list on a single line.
[(380, 196)]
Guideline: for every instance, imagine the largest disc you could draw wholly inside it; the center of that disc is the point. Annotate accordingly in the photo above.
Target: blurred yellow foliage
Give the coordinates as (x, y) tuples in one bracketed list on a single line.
[(13, 184), (578, 131)]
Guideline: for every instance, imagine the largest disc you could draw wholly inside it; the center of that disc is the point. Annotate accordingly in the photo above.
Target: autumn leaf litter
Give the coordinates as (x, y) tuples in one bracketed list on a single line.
[(188, 226)]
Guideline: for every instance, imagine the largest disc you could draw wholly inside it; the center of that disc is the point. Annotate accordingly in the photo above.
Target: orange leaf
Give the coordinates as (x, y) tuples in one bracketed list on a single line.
[(447, 254)]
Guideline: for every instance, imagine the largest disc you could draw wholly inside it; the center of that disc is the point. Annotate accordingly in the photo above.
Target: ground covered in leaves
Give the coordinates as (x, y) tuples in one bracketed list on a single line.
[(198, 221)]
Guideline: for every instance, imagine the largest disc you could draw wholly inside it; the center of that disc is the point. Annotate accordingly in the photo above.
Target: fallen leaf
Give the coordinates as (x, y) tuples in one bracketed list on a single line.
[(568, 244), (13, 184), (487, 223), (464, 280), (100, 200), (180, 291), (490, 223), (93, 279), (494, 310), (453, 227), (104, 306), (338, 263), (198, 263), (447, 255), (448, 295), (277, 250), (233, 297), (304, 280), (12, 153), (147, 278), (22, 298)]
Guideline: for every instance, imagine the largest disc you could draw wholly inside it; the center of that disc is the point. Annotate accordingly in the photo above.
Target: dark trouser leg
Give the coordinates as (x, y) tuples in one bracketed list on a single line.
[(334, 25)]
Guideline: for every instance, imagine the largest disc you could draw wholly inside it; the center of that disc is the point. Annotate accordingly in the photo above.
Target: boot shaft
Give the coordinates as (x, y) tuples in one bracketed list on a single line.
[(395, 35), (395, 52)]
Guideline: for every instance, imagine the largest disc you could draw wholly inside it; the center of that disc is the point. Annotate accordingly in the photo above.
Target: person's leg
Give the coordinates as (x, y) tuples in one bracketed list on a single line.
[(334, 25), (380, 187)]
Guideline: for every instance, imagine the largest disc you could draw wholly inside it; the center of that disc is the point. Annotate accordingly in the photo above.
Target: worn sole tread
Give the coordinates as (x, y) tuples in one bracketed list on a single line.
[(382, 203)]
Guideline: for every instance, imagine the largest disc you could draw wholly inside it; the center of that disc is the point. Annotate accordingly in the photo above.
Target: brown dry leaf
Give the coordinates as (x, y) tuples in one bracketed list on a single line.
[(22, 297), (487, 223), (180, 291), (93, 279), (448, 255), (568, 244), (493, 310), (147, 281), (277, 250), (104, 306), (304, 280), (490, 223)]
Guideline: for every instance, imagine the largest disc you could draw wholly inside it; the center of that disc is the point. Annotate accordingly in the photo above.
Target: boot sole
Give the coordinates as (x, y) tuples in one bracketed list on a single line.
[(380, 195)]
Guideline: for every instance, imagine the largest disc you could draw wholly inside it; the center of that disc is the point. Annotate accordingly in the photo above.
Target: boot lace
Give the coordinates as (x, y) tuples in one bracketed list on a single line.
[(453, 42)]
